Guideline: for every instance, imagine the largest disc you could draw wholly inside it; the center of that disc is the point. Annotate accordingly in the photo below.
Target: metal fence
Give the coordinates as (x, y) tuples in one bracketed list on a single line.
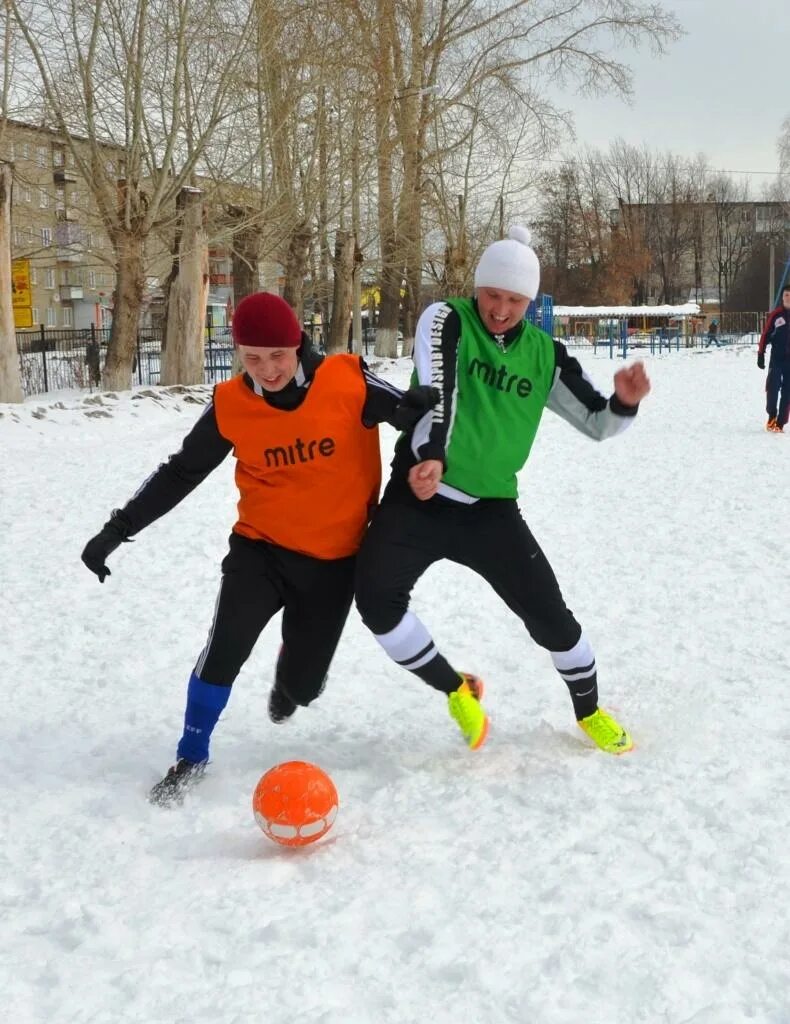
[(55, 359), (617, 337)]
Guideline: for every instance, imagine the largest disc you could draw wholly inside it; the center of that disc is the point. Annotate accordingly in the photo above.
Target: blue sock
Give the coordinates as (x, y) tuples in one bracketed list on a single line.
[(205, 702)]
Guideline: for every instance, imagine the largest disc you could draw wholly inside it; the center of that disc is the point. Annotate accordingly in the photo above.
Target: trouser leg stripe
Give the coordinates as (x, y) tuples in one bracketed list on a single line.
[(204, 654)]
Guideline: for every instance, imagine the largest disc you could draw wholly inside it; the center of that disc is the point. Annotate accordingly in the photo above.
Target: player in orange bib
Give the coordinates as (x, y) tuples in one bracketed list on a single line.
[(304, 431)]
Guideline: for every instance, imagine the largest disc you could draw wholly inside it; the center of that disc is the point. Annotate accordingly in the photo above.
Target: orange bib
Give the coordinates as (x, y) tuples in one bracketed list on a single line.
[(309, 477)]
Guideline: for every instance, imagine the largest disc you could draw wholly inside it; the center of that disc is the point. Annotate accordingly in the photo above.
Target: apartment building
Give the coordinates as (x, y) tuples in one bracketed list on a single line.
[(699, 250), (56, 227)]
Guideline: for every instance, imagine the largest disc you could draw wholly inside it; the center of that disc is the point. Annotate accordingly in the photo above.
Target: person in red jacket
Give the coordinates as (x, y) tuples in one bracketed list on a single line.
[(776, 333), (303, 430)]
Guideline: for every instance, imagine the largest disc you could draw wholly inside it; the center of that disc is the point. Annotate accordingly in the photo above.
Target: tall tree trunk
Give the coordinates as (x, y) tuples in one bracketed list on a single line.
[(246, 253), (128, 301), (456, 268), (10, 379), (391, 268), (341, 298), (410, 237), (183, 359), (412, 124), (295, 269), (356, 298), (245, 258)]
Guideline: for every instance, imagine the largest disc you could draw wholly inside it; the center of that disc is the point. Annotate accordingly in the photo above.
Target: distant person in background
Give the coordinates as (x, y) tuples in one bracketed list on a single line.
[(93, 362), (303, 430), (713, 335), (776, 333), (453, 492)]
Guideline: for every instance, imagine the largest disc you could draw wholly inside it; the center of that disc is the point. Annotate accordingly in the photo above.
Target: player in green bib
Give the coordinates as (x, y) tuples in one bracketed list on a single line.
[(453, 489)]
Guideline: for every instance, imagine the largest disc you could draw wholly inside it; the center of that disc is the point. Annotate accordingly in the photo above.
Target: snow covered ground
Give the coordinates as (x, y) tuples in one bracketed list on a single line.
[(535, 882)]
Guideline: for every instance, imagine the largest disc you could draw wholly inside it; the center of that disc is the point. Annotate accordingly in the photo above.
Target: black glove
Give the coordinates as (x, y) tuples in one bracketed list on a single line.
[(761, 360), (414, 405), (114, 533)]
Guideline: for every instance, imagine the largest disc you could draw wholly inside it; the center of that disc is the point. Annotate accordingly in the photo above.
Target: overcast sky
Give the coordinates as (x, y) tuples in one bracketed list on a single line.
[(723, 89)]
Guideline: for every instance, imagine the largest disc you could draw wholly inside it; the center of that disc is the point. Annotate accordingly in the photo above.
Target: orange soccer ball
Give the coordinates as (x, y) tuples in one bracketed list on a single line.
[(295, 803)]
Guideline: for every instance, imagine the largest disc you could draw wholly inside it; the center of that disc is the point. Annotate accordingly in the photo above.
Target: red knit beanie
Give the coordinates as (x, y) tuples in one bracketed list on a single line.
[(265, 320)]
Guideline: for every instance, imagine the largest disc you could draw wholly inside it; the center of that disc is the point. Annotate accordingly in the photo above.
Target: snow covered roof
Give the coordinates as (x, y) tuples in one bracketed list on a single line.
[(686, 309)]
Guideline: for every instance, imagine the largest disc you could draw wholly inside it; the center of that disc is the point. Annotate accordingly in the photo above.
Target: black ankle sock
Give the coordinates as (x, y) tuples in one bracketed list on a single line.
[(584, 694), (439, 674)]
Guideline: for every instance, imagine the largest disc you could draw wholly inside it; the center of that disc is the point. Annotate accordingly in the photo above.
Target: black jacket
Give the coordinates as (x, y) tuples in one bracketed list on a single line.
[(204, 448)]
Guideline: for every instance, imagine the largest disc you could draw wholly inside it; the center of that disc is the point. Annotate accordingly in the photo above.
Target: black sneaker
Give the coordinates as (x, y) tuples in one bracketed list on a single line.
[(281, 706), (179, 778)]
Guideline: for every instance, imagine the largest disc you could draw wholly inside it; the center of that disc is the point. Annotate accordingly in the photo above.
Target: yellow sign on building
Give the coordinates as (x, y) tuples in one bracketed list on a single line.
[(21, 296), (20, 284)]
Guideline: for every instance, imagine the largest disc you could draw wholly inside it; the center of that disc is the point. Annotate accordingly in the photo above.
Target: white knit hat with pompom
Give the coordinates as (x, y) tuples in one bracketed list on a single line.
[(510, 264)]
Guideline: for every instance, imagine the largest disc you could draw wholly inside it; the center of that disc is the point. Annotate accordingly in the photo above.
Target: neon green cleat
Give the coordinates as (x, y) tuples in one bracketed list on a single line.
[(606, 733), (465, 707)]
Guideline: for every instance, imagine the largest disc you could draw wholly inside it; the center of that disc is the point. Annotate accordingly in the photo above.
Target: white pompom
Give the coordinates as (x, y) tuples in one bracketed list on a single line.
[(520, 234)]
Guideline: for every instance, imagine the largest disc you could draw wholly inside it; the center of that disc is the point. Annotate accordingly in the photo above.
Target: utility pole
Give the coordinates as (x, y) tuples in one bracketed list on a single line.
[(771, 273)]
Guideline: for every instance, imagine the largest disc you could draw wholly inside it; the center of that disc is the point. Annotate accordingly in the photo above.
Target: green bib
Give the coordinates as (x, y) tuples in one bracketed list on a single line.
[(500, 398)]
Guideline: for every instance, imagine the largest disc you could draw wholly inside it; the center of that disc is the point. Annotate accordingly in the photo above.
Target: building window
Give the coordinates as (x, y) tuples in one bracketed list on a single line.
[(33, 275), (27, 195), (49, 278), (34, 315), (51, 316), (46, 236), (26, 150), (58, 157), (11, 150), (43, 198), (19, 237), (41, 156), (68, 316), (91, 278), (88, 240)]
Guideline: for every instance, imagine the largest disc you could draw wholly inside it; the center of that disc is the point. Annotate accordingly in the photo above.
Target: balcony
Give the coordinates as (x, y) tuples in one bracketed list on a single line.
[(67, 214), (69, 235), (70, 292), (63, 176), (68, 255)]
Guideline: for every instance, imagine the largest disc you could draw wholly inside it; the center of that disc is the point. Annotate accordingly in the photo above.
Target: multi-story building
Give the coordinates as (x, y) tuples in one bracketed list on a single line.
[(55, 225), (699, 250)]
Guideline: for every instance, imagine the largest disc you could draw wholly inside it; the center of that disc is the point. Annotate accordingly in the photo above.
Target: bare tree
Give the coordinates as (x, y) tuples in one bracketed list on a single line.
[(733, 233), (630, 173), (464, 44), (783, 149), (146, 84), (341, 299), (183, 348), (670, 224)]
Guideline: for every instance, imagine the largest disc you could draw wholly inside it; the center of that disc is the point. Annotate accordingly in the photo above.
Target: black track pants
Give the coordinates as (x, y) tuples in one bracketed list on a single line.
[(489, 537), (258, 579)]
